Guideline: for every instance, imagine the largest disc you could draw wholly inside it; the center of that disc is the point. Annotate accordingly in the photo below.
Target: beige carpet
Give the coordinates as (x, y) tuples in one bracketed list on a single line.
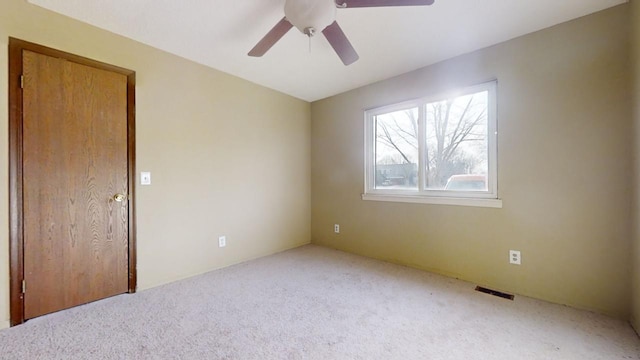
[(317, 303)]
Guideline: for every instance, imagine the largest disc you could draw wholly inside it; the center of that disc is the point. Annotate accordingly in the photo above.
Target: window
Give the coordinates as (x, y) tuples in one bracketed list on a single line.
[(434, 150)]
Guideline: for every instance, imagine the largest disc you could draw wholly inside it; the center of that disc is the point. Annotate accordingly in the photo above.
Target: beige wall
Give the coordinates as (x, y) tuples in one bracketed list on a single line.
[(635, 277), (565, 161), (227, 157)]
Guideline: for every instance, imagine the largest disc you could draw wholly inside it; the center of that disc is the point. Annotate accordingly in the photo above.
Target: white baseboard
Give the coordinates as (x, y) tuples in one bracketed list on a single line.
[(4, 324)]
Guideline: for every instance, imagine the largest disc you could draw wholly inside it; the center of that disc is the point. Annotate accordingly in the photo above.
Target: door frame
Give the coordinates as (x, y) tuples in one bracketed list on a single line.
[(16, 210)]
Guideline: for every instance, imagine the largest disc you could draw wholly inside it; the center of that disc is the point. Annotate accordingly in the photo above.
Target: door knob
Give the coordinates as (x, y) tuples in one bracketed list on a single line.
[(119, 197)]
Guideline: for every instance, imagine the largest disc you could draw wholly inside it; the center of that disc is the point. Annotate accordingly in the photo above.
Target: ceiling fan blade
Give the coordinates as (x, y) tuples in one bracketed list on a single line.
[(340, 43), (271, 38), (377, 3)]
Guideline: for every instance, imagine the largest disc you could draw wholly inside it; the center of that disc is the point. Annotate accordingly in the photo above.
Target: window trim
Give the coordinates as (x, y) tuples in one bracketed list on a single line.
[(484, 199)]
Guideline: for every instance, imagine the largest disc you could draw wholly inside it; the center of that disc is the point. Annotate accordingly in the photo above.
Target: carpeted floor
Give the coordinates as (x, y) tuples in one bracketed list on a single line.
[(318, 303)]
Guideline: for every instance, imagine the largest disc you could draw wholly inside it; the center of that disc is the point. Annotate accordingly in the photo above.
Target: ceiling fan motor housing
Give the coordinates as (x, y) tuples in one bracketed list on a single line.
[(310, 16)]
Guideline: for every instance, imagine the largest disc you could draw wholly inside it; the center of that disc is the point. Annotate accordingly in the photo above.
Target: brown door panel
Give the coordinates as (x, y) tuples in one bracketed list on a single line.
[(74, 162)]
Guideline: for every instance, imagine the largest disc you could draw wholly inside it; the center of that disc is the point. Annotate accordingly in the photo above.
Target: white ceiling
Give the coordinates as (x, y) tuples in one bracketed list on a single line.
[(390, 40)]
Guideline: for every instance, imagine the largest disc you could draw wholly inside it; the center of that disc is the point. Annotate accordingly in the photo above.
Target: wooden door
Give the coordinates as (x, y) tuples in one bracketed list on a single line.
[(74, 163)]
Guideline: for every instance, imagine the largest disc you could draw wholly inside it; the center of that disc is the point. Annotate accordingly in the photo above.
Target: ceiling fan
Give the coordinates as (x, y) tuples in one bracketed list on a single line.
[(311, 16)]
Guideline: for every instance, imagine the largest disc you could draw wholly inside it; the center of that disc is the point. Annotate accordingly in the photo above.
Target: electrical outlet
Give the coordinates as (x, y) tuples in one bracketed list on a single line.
[(514, 257), (222, 241), (336, 228)]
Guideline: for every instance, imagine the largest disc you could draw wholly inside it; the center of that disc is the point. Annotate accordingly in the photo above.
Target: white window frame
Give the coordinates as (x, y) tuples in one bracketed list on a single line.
[(487, 198)]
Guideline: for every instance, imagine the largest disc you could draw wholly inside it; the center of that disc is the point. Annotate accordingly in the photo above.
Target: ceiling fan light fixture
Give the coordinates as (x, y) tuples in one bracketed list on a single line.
[(310, 14), (313, 16)]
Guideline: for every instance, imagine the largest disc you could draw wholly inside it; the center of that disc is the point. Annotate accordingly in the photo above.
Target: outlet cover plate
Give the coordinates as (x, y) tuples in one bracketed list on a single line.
[(514, 257)]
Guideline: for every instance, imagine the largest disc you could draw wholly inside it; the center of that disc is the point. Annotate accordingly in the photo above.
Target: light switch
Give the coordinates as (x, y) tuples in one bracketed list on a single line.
[(145, 178)]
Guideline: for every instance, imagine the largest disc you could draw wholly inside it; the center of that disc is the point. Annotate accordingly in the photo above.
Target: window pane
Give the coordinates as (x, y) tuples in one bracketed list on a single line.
[(457, 147), (397, 150)]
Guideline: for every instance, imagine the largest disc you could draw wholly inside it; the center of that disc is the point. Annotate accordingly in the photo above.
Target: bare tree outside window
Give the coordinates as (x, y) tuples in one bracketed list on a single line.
[(436, 150), (397, 149), (456, 136)]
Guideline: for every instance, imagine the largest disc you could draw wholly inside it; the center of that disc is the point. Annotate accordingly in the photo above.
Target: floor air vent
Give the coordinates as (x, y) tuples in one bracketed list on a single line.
[(494, 293)]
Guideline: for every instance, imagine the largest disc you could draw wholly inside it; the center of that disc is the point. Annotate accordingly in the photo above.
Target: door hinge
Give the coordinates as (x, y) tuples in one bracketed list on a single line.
[(24, 286), (21, 81)]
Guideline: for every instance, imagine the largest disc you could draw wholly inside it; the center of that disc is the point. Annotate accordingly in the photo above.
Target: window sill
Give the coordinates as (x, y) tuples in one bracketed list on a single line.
[(477, 202)]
